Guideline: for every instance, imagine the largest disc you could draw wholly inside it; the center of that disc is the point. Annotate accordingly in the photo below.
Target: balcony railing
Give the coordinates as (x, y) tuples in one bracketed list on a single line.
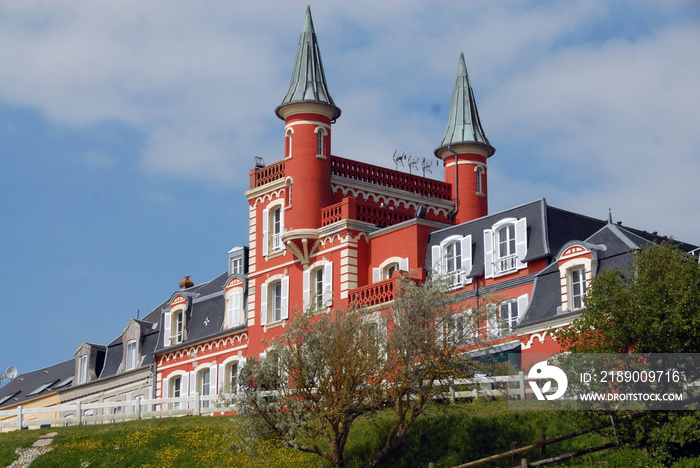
[(382, 176), (506, 264), (267, 174), (351, 208), (373, 294)]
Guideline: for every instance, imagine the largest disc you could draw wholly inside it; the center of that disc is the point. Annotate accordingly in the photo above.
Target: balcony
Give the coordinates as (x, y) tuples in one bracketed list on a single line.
[(373, 294), (266, 174), (351, 208)]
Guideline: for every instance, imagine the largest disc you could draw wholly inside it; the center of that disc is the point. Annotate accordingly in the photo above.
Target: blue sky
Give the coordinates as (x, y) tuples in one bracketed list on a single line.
[(127, 129)]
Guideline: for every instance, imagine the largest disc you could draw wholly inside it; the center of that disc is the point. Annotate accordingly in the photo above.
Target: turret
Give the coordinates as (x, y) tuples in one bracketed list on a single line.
[(464, 150), (308, 112)]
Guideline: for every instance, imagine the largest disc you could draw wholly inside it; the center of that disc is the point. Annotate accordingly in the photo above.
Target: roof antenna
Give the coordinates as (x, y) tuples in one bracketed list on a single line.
[(399, 157), (426, 165)]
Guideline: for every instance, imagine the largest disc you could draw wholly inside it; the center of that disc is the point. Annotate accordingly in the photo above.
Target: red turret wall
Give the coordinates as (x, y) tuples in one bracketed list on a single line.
[(310, 173), (470, 203)]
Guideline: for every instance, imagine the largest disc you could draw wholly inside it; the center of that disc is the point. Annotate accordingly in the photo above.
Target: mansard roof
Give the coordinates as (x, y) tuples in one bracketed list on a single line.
[(206, 314), (308, 82), (548, 229), (463, 122), (616, 246)]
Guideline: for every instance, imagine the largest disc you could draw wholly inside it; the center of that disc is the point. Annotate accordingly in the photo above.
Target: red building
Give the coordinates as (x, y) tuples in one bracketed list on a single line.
[(329, 232)]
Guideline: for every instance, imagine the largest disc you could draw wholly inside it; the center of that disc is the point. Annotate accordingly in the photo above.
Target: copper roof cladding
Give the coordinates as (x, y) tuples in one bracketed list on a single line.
[(308, 83), (463, 124)]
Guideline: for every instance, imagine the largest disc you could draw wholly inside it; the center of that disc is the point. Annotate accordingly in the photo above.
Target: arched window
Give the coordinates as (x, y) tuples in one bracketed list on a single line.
[(479, 180), (288, 143), (577, 287), (320, 146)]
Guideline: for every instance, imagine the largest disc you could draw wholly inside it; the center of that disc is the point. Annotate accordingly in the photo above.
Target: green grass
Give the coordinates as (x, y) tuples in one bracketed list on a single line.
[(447, 435)]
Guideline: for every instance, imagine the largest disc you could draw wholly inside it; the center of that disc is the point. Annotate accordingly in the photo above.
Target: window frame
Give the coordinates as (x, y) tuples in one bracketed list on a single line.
[(497, 262), (455, 267), (131, 354), (83, 369), (267, 303)]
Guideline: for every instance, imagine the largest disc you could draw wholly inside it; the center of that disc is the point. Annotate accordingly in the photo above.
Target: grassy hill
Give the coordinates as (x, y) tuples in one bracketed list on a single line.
[(447, 435)]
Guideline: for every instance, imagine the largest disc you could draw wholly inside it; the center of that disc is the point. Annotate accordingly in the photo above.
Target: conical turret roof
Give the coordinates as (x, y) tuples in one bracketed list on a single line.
[(308, 83), (463, 124)]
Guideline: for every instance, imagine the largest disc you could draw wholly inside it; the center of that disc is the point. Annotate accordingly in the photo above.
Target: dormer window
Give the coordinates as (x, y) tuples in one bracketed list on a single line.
[(175, 322), (577, 279), (237, 266), (179, 326), (505, 247), (82, 369), (577, 264), (131, 354), (453, 260)]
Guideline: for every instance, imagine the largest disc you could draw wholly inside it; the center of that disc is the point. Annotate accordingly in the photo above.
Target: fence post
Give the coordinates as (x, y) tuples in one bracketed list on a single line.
[(521, 382), (78, 413), (138, 407), (452, 390), (197, 405), (20, 419)]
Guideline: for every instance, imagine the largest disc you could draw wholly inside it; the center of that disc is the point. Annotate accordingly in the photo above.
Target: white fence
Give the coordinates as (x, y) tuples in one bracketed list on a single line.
[(202, 405)]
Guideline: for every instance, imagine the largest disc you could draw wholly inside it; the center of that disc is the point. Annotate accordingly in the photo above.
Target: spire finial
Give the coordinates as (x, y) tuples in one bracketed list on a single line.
[(463, 123), (308, 83)]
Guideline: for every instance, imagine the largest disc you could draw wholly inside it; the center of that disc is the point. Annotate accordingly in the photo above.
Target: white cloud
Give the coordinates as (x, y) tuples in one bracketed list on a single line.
[(606, 114)]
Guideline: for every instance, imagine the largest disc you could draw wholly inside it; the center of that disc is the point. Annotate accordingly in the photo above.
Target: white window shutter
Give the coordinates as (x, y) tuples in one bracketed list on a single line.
[(166, 328), (328, 284), (265, 231), (222, 378), (521, 240), (376, 275), (263, 304), (185, 384), (488, 253), (306, 281), (281, 208), (285, 298), (237, 299), (230, 312), (403, 264), (522, 306), (164, 390), (213, 387), (466, 255), (492, 320), (436, 253)]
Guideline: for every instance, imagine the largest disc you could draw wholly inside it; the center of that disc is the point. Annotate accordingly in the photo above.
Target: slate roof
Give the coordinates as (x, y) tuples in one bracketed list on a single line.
[(463, 123), (308, 82), (548, 229), (205, 317), (618, 244), (37, 383)]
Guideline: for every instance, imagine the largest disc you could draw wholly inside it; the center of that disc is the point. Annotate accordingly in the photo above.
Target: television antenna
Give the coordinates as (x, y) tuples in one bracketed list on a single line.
[(426, 165), (399, 157)]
